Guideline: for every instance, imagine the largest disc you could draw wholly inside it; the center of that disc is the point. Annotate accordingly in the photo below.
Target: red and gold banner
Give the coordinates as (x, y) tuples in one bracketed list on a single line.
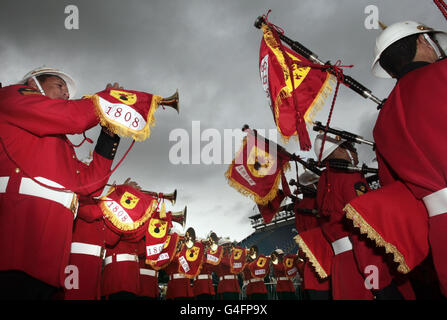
[(260, 267), (167, 254), (395, 220), (191, 259), (256, 170), (156, 235), (214, 257), (295, 93), (127, 113), (290, 265), (126, 209), (238, 260)]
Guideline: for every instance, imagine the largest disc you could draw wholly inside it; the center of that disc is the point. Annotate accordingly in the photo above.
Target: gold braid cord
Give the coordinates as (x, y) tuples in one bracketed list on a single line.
[(372, 234), (318, 268)]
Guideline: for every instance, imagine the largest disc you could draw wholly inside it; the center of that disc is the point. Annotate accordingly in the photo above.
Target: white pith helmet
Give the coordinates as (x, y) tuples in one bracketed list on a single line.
[(71, 85), (399, 31), (279, 251), (332, 142)]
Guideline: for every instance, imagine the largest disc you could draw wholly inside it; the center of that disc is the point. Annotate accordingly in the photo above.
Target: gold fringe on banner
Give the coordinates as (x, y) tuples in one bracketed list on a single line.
[(249, 193), (318, 268), (118, 223), (372, 234), (123, 130)]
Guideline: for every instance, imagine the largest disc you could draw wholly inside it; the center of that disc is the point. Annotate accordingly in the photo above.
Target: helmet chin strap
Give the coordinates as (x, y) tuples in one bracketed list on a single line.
[(350, 156), (433, 44), (38, 85)]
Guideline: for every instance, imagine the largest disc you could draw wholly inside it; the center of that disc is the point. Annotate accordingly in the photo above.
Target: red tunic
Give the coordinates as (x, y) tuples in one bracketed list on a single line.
[(121, 275), (410, 140), (335, 189), (148, 276), (177, 288), (203, 283), (89, 228), (35, 233), (283, 283)]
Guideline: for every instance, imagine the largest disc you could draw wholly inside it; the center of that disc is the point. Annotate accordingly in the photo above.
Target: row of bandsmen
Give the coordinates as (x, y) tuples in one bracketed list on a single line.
[(113, 264)]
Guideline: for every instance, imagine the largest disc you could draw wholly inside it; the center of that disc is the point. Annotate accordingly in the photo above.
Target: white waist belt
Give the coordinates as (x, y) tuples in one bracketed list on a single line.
[(203, 276), (227, 277), (341, 245), (282, 278), (177, 276), (436, 203), (121, 257), (86, 248), (255, 280), (27, 186), (148, 272)]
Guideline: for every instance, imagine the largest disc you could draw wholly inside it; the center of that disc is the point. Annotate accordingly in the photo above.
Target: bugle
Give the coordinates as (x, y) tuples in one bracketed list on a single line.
[(179, 217), (172, 101)]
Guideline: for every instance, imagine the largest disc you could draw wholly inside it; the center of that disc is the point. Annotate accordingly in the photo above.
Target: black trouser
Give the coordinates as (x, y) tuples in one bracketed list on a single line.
[(17, 285), (286, 295), (257, 296), (310, 294), (391, 292), (122, 295), (205, 297), (229, 296)]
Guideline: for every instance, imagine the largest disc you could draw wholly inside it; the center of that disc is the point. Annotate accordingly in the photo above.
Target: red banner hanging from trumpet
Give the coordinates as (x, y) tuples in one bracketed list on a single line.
[(127, 113)]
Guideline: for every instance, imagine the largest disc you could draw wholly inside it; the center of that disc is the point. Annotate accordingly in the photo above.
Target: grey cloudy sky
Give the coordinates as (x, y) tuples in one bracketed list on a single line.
[(209, 51)]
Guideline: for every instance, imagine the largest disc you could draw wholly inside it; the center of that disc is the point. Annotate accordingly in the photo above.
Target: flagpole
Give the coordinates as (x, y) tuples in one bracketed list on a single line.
[(343, 134), (305, 52)]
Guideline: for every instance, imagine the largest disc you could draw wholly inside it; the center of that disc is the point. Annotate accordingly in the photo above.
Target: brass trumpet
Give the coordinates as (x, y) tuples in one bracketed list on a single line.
[(172, 101), (172, 197), (179, 217)]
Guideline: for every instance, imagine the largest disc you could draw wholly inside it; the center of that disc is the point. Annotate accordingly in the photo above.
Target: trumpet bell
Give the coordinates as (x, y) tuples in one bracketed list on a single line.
[(180, 217), (172, 101)]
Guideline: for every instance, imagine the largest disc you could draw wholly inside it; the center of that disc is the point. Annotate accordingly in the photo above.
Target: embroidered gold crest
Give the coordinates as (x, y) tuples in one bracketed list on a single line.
[(125, 97), (128, 200)]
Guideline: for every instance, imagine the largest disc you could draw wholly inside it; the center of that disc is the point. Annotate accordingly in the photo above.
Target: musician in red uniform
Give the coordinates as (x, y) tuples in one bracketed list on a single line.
[(38, 166), (203, 287), (134, 208), (283, 274), (228, 287), (91, 236), (148, 276), (254, 273), (179, 285), (314, 288), (413, 119), (352, 255)]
